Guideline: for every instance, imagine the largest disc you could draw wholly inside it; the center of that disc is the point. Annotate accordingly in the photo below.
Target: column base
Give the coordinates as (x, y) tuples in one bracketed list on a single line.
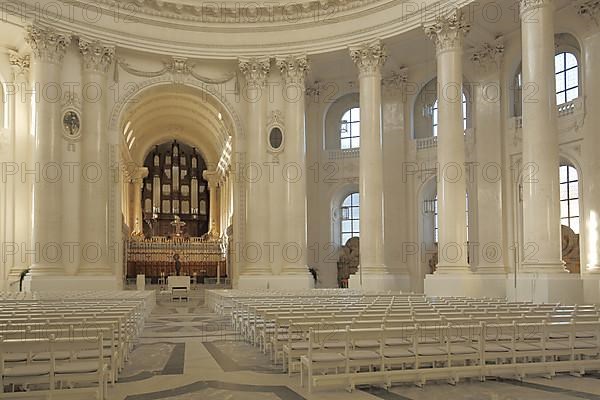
[(303, 281), (591, 288), (466, 284), (545, 288), (380, 282), (33, 283)]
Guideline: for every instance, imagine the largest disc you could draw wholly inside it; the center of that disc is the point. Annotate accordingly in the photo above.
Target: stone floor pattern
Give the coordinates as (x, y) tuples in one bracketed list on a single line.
[(187, 353)]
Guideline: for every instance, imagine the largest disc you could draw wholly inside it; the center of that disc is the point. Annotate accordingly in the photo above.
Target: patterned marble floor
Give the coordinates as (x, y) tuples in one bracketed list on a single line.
[(187, 353)]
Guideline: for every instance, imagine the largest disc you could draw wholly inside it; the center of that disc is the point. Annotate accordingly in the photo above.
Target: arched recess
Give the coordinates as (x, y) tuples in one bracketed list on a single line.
[(333, 116), (426, 222), (337, 198), (423, 109), (564, 43)]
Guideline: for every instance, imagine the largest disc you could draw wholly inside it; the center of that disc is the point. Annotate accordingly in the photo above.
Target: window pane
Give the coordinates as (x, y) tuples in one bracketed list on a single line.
[(345, 237), (345, 143), (574, 224), (564, 187), (571, 61), (356, 212), (562, 173), (559, 62), (356, 199), (347, 201), (572, 78), (355, 226), (346, 116), (355, 144), (572, 94), (573, 190), (346, 226), (345, 131), (560, 82), (574, 208), (560, 98), (573, 174), (564, 209)]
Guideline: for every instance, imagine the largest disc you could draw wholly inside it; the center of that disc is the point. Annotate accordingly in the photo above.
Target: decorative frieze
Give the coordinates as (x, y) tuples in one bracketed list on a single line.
[(255, 70), (175, 66), (488, 55), (96, 56), (590, 8), (369, 57), (293, 69), (448, 32), (47, 44), (19, 64)]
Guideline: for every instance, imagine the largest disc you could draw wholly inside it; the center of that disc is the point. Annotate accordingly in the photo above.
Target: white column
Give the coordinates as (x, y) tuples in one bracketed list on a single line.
[(590, 222), (293, 70), (212, 177), (97, 58), (21, 196), (137, 182), (253, 254), (541, 202), (373, 273), (488, 249), (448, 33), (48, 47)]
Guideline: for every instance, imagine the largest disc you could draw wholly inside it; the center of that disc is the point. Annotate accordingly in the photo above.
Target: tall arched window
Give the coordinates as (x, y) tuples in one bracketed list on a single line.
[(435, 118), (435, 217), (569, 197), (567, 77), (350, 213), (350, 129)]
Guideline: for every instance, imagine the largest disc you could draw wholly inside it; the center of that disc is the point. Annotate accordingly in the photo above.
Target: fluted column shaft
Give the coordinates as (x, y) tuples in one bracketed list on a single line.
[(447, 34), (293, 70), (541, 202), (369, 58), (48, 48), (254, 254), (94, 155)]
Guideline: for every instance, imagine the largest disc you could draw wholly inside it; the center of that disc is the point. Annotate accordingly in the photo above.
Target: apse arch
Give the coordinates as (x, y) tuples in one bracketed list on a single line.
[(139, 88)]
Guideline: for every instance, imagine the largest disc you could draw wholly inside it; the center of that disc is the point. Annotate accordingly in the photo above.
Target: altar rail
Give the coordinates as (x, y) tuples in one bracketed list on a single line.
[(154, 258)]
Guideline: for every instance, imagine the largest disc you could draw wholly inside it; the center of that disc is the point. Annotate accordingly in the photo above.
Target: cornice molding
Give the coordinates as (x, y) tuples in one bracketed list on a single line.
[(47, 44), (448, 32), (369, 57)]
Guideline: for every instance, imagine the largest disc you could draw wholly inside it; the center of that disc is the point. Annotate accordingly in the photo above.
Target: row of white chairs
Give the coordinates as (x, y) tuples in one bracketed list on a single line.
[(384, 356), (72, 345)]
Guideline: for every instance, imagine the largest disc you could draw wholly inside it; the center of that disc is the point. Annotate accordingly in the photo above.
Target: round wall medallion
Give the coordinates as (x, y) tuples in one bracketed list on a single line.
[(71, 124), (276, 138)]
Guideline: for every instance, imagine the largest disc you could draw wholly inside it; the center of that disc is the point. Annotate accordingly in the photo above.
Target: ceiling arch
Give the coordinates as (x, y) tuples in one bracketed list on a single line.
[(175, 111)]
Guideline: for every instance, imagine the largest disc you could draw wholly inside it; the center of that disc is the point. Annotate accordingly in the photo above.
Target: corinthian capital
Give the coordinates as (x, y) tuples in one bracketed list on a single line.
[(96, 56), (255, 70), (528, 5), (448, 32), (47, 44), (293, 69), (369, 57)]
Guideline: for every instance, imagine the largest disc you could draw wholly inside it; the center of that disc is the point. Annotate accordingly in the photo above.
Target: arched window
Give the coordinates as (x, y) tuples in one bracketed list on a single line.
[(435, 117), (350, 129), (350, 213), (567, 77), (435, 217), (569, 197)]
